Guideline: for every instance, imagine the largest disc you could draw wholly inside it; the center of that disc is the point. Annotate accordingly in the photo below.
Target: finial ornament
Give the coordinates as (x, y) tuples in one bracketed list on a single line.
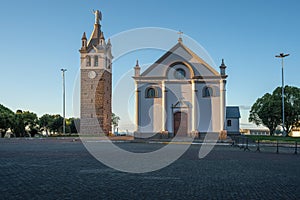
[(98, 16), (108, 42), (222, 68), (223, 64), (180, 33), (137, 69)]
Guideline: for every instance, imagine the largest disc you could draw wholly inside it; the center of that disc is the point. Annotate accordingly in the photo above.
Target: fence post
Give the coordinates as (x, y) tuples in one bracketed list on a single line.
[(277, 151), (240, 142), (258, 148), (233, 141), (246, 148), (296, 147)]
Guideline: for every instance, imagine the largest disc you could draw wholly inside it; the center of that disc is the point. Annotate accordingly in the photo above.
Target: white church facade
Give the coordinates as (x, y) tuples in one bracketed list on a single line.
[(180, 95)]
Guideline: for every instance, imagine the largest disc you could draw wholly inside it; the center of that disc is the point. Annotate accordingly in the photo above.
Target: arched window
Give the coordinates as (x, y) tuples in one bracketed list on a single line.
[(208, 92), (180, 73), (151, 93), (88, 61), (96, 61)]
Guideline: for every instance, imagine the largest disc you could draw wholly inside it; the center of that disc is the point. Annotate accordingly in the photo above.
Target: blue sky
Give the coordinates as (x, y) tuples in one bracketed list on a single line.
[(39, 37)]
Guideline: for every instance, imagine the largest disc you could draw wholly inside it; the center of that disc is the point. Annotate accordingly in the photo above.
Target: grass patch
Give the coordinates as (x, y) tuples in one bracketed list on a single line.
[(62, 135), (273, 138)]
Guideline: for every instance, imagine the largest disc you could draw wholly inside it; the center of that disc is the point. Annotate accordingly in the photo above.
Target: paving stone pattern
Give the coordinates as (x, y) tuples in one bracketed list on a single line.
[(63, 169)]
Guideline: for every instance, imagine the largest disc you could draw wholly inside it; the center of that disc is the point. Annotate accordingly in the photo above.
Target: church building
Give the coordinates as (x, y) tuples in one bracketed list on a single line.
[(96, 81), (180, 95)]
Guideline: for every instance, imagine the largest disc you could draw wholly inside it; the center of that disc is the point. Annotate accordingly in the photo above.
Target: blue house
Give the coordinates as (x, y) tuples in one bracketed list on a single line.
[(232, 124)]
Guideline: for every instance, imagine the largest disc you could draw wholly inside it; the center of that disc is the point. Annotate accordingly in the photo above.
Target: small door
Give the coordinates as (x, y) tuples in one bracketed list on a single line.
[(180, 124)]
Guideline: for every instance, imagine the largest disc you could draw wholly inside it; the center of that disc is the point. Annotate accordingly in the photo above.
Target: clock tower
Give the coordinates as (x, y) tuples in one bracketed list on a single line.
[(96, 82)]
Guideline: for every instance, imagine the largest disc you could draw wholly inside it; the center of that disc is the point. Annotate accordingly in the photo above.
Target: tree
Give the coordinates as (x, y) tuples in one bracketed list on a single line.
[(267, 109), (6, 119), (292, 107), (30, 122), (25, 123), (18, 127), (57, 124), (54, 123), (115, 121), (45, 122)]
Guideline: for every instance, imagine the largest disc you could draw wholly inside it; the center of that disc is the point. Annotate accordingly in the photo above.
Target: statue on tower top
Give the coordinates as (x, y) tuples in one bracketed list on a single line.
[(98, 16)]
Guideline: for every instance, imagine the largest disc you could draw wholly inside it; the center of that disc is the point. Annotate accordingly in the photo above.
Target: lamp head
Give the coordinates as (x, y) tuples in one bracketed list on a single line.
[(282, 55)]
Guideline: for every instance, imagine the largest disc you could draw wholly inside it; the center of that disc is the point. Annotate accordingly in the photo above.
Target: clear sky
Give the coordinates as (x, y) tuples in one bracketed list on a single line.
[(39, 37)]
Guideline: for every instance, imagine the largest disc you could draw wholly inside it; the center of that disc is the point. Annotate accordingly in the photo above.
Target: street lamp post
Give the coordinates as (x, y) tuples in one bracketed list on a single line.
[(64, 101), (282, 56)]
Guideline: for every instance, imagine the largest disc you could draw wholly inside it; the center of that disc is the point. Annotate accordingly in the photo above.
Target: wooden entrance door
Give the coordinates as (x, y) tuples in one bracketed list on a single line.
[(180, 124)]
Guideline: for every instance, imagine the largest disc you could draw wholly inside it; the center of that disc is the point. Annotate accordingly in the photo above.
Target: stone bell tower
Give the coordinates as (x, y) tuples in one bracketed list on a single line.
[(96, 82)]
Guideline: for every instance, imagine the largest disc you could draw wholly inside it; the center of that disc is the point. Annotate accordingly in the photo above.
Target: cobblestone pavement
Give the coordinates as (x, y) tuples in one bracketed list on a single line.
[(63, 169)]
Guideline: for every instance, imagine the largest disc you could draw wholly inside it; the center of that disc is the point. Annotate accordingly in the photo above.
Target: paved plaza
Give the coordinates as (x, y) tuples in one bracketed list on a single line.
[(63, 169)]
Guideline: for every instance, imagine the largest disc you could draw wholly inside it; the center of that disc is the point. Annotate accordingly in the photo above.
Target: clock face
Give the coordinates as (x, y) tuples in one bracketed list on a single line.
[(92, 74)]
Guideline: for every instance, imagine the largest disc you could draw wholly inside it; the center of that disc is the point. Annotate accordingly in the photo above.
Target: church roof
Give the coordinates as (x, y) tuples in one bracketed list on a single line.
[(233, 112), (186, 51)]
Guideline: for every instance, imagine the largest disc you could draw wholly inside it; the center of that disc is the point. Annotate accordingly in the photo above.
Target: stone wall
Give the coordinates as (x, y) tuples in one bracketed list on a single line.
[(95, 102)]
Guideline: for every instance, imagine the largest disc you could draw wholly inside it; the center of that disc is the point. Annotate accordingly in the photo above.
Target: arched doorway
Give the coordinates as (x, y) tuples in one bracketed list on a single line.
[(180, 124)]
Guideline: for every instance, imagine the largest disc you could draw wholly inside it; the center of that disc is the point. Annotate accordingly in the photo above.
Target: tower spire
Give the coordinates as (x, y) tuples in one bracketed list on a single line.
[(97, 34), (102, 35), (137, 69), (83, 43), (83, 36), (222, 68)]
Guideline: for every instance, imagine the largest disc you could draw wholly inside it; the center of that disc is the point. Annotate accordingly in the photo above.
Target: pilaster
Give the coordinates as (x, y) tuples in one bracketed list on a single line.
[(137, 107)]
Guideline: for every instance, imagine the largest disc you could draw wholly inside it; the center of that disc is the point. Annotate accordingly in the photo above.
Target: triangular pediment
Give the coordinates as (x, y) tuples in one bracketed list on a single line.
[(182, 104), (180, 54)]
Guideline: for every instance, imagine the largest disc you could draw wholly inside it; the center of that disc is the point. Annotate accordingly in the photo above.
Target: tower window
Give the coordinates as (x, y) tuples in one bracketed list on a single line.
[(229, 122), (151, 93), (96, 61), (180, 74), (88, 61), (208, 92), (109, 64)]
